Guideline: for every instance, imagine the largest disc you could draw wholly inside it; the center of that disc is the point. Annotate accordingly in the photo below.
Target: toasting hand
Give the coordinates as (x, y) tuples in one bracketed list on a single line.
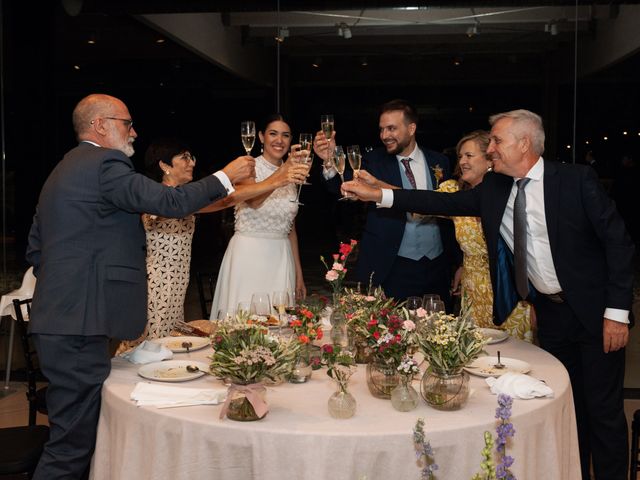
[(362, 191), (240, 169)]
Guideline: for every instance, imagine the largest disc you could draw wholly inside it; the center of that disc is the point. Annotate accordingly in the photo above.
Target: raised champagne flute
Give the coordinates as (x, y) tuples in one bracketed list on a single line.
[(306, 144), (355, 159), (248, 134), (339, 164), (327, 125)]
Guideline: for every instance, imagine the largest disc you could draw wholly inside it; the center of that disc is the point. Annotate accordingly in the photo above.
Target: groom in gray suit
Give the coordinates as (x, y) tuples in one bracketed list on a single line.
[(87, 247)]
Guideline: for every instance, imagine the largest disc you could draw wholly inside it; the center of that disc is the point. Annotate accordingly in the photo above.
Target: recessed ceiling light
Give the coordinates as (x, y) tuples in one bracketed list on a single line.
[(76, 67), (160, 40)]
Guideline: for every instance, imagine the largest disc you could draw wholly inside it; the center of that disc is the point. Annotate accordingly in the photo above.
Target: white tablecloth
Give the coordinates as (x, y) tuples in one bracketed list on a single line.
[(299, 440)]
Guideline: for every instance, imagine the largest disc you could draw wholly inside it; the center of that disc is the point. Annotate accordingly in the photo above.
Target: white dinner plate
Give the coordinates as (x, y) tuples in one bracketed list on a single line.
[(175, 343), (172, 370), (484, 366), (494, 335)]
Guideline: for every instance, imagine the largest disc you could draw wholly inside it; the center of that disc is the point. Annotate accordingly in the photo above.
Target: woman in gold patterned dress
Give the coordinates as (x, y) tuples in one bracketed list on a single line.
[(472, 280)]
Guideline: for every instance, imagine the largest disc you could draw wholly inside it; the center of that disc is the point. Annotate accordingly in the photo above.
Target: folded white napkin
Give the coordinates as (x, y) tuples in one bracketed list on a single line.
[(148, 352), (519, 385), (164, 396)]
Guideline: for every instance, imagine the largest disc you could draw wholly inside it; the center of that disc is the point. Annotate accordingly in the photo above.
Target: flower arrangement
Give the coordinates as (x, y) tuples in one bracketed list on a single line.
[(305, 320), (247, 353), (489, 470), (339, 362), (438, 174), (389, 333), (449, 342), (336, 273), (408, 367)]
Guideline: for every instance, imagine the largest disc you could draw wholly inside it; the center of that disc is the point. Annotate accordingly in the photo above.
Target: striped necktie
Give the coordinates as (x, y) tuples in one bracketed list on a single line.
[(409, 172)]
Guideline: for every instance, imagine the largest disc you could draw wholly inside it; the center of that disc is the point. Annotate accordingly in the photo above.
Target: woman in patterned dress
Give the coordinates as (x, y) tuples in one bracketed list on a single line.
[(472, 280), (262, 255)]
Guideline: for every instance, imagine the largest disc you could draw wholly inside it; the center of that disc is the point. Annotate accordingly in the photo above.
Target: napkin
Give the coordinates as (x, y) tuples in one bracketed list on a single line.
[(148, 352), (519, 385), (164, 396)]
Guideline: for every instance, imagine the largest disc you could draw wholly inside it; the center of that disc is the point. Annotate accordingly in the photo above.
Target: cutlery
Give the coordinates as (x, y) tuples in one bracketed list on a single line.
[(188, 345), (196, 369), (499, 365)]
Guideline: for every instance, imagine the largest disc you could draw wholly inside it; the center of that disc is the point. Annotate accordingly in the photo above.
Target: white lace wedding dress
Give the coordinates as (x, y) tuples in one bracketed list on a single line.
[(259, 256)]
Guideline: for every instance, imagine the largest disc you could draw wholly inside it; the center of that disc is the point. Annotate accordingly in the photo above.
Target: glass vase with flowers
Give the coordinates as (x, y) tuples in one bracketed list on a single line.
[(404, 397), (340, 366), (305, 323), (448, 343), (247, 354), (390, 334)]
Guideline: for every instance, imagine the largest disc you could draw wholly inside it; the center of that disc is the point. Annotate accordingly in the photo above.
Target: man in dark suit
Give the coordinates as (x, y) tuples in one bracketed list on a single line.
[(578, 263), (87, 247), (408, 254)]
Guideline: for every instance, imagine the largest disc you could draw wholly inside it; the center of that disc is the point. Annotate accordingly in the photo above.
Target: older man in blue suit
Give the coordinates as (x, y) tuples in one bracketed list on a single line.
[(408, 254), (87, 247)]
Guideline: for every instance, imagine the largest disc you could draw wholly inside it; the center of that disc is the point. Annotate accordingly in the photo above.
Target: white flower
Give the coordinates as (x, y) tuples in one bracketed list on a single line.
[(408, 325), (338, 267)]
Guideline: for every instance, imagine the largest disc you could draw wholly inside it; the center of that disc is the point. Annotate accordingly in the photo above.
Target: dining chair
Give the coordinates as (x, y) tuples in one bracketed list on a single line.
[(36, 396), (206, 282), (21, 449), (634, 464)]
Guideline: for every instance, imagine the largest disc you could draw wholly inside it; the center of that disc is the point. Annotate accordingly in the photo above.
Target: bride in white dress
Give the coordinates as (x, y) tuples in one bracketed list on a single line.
[(262, 255)]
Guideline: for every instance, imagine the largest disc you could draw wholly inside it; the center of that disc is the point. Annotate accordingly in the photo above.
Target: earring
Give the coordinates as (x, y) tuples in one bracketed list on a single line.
[(490, 168), (167, 172), (261, 148)]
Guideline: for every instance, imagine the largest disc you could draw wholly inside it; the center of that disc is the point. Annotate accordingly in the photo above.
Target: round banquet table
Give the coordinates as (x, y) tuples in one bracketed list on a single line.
[(299, 440)]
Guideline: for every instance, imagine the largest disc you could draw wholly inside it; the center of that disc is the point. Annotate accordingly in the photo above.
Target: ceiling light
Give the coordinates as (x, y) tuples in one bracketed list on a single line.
[(551, 28), (344, 31), (160, 41), (457, 61), (316, 62), (605, 138), (76, 67), (92, 39), (625, 132), (472, 31), (364, 62)]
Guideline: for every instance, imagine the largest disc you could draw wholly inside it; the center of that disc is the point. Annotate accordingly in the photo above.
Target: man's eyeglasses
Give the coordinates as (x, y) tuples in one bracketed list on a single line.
[(127, 122)]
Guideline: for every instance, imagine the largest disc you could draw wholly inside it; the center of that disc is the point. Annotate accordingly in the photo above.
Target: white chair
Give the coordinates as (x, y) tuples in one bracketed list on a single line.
[(6, 308)]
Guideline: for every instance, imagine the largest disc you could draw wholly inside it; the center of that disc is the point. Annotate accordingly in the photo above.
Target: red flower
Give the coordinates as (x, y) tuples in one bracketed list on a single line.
[(303, 339), (319, 333), (295, 323), (345, 249), (306, 313), (376, 334), (354, 242), (327, 348)]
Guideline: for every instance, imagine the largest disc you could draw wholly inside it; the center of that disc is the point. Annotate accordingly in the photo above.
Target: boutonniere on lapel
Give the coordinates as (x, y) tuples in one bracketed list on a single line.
[(438, 174)]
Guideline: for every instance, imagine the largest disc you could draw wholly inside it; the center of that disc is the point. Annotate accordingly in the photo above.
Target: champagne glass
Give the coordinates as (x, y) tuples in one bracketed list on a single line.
[(355, 159), (434, 306), (306, 160), (339, 164), (306, 143), (244, 308), (327, 126), (248, 134), (280, 301)]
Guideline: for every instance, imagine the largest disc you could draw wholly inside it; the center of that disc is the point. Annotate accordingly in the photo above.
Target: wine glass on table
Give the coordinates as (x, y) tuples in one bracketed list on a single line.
[(339, 164), (413, 304), (280, 301), (248, 134), (260, 305)]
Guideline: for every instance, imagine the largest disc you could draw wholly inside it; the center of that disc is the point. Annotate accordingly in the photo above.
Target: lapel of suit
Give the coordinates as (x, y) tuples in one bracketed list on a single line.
[(391, 170), (430, 166), (551, 201), (496, 193)]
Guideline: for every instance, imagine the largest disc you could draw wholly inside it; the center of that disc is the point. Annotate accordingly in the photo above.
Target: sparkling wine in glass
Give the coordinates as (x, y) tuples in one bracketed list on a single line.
[(306, 144), (355, 159), (339, 164), (280, 300), (327, 125), (248, 134)]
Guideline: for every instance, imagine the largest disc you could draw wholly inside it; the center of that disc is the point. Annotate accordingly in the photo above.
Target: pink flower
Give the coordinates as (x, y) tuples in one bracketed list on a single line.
[(421, 312), (370, 298), (331, 276), (408, 325), (337, 266), (327, 348), (335, 256)]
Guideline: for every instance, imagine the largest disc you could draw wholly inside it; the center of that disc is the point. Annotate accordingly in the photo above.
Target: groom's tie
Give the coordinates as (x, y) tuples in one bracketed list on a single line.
[(409, 172), (520, 239)]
